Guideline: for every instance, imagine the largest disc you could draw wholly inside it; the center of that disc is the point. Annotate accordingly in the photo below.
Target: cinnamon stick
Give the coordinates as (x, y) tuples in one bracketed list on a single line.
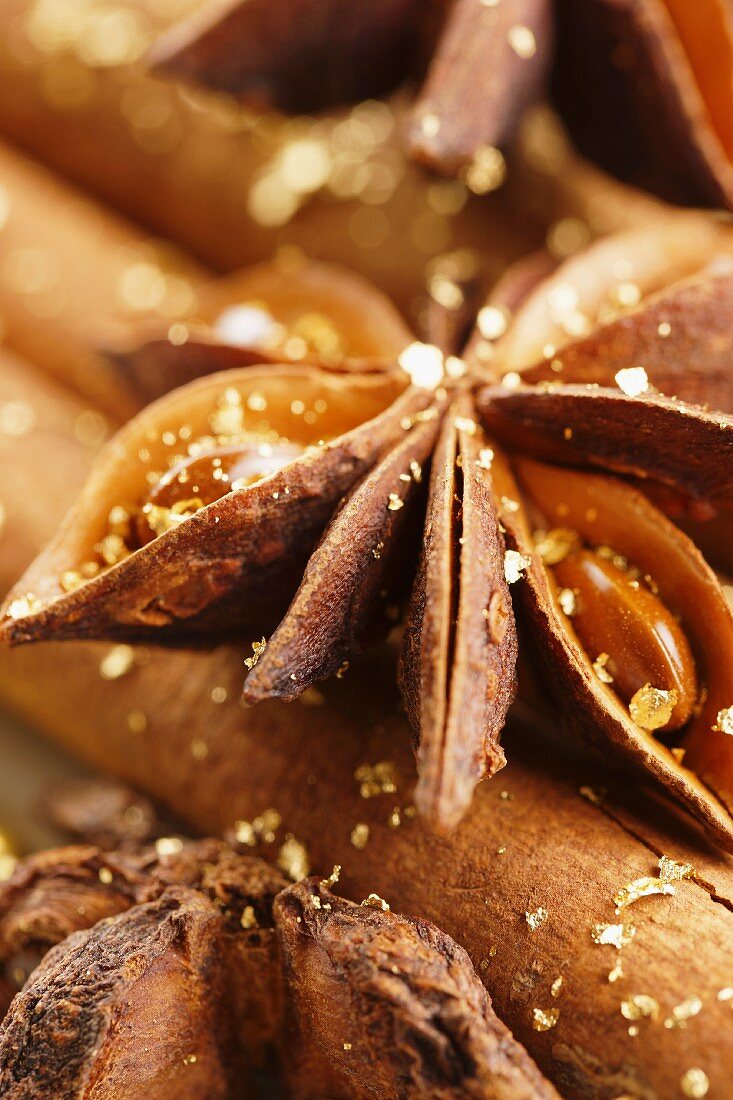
[(529, 885), (75, 275), (230, 186)]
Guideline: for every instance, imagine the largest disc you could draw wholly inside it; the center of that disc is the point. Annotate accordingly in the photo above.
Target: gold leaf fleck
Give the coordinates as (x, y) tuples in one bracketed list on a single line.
[(555, 545), (395, 502), (599, 667), (293, 859), (566, 599), (544, 1019), (514, 565), (536, 918), (633, 381), (613, 935), (640, 1006), (672, 871), (724, 721), (683, 1012), (694, 1083), (117, 662), (360, 835), (373, 901), (651, 708), (556, 986), (641, 888), (258, 648), (249, 920)]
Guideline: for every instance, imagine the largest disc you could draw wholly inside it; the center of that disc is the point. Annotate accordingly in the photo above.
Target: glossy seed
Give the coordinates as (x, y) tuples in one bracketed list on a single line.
[(200, 480), (616, 615)]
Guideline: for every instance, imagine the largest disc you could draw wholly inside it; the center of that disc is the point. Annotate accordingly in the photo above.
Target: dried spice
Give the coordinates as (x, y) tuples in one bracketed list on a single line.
[(307, 511), (204, 954), (658, 74)]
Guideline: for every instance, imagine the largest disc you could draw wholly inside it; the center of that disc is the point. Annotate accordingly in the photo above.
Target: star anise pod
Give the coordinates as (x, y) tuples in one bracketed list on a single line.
[(291, 498), (184, 967), (480, 63), (644, 85)]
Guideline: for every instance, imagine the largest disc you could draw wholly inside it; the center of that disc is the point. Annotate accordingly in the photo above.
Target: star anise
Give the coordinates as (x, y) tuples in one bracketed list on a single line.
[(184, 967), (289, 500), (644, 85)]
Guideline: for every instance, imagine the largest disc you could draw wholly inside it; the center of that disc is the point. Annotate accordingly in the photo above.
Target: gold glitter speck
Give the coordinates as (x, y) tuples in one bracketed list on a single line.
[(651, 708), (544, 1019), (514, 565), (567, 600), (293, 859), (258, 648), (556, 987), (117, 662), (599, 667), (683, 1012), (632, 381), (360, 836), (694, 1083), (522, 41), (395, 502), (536, 918), (249, 919), (613, 935), (376, 779), (672, 871), (555, 545), (640, 1006), (373, 901), (724, 721)]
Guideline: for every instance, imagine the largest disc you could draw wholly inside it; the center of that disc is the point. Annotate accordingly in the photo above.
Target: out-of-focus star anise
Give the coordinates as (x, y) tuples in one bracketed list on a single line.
[(182, 968), (287, 501), (645, 85)]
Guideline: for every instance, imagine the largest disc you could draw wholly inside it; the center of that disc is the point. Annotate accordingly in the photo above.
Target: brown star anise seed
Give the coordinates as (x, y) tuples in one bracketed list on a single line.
[(645, 86), (210, 543), (175, 956), (299, 312)]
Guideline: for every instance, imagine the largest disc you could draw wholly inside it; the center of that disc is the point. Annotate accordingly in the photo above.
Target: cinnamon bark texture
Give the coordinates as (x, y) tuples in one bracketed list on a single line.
[(75, 275), (228, 185)]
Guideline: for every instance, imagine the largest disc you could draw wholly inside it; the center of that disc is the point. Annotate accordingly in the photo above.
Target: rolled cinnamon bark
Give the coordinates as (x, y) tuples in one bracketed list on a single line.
[(229, 185), (74, 276), (544, 880)]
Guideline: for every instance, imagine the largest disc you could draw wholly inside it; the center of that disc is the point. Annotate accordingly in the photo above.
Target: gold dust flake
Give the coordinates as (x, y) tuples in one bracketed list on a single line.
[(466, 424), (632, 381), (544, 1019), (694, 1083), (376, 779), (263, 827), (640, 1006), (105, 875), (725, 994), (616, 973), (347, 1046), (117, 662), (672, 871), (536, 919), (555, 545), (509, 505), (683, 1012), (641, 888), (258, 648), (522, 41), (556, 987), (333, 878), (360, 836), (249, 918), (613, 935), (168, 845), (492, 322), (293, 859), (395, 502), (23, 606), (514, 565), (567, 600), (724, 721), (651, 708), (373, 901), (485, 458), (599, 667)]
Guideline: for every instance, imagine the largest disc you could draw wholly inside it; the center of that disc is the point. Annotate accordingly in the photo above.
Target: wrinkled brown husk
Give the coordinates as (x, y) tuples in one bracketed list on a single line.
[(460, 648), (370, 332), (294, 56), (650, 437), (636, 104), (651, 258), (478, 85), (605, 511), (253, 542), (361, 567), (407, 1015)]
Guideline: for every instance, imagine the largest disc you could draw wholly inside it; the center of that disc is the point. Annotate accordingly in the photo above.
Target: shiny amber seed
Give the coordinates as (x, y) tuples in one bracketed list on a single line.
[(617, 616), (200, 480)]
